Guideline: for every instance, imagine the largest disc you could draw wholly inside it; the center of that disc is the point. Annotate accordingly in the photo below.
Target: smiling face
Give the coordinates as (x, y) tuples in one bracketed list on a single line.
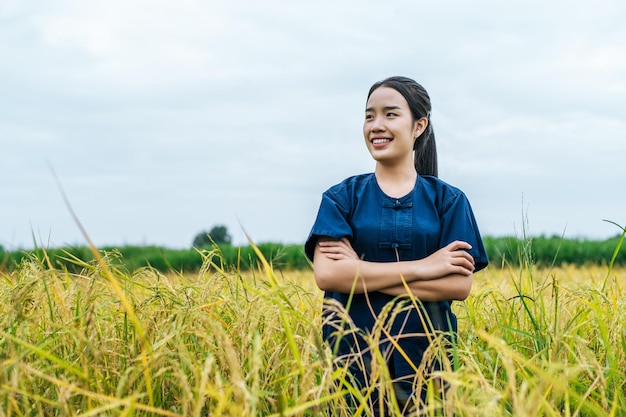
[(389, 129)]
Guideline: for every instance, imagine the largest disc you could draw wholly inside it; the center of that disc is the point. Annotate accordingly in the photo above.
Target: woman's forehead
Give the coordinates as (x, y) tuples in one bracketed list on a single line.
[(386, 97)]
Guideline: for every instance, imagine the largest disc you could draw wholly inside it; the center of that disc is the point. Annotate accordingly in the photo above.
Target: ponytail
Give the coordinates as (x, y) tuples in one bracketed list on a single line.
[(425, 157)]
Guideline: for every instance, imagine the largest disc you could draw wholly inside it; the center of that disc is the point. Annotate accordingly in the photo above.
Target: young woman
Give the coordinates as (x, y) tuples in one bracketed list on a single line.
[(396, 237)]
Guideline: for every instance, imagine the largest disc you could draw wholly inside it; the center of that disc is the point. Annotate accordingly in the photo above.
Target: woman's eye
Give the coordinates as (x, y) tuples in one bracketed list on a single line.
[(391, 114), (368, 117)]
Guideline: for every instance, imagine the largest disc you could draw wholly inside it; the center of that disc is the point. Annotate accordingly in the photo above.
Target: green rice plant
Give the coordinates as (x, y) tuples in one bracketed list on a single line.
[(554, 348), (546, 251), (217, 343), (101, 338)]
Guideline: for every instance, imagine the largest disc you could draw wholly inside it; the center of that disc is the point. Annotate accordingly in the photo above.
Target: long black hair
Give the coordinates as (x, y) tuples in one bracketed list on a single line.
[(425, 157)]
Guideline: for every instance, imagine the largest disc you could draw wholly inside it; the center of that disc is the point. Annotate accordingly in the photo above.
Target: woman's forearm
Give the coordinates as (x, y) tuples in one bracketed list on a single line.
[(348, 275), (337, 267), (448, 288)]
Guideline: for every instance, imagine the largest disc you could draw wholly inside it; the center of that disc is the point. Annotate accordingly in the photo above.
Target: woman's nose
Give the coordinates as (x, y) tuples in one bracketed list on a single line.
[(377, 124)]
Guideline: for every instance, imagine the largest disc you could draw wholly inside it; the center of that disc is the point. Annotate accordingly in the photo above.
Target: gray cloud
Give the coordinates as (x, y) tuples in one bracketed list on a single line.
[(163, 119)]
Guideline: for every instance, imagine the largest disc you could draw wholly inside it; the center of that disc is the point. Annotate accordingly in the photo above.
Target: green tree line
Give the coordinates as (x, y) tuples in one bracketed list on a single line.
[(501, 251)]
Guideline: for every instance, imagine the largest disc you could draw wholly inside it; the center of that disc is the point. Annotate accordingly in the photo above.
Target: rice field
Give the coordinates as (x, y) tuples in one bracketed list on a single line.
[(110, 342)]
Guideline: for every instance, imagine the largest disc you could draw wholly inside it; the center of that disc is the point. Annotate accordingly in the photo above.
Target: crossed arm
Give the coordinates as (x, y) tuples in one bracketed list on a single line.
[(444, 275)]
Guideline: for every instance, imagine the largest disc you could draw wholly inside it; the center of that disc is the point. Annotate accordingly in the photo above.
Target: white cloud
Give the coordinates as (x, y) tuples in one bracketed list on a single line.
[(187, 114)]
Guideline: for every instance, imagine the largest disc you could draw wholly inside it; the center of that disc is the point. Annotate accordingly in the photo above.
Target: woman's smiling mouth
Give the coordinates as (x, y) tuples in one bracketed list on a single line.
[(381, 141)]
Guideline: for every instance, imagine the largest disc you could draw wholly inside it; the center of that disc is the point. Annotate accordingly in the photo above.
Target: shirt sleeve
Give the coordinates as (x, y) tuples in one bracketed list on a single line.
[(459, 223), (331, 221)]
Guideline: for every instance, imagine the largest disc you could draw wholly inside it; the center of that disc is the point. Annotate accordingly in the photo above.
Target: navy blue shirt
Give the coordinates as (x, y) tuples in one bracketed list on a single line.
[(385, 229)]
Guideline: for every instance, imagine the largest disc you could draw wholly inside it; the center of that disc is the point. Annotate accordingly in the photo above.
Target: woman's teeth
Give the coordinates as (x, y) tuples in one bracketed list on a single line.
[(377, 141)]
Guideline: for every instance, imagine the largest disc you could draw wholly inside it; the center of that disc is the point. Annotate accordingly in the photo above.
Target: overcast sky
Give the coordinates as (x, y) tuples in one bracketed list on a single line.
[(162, 119)]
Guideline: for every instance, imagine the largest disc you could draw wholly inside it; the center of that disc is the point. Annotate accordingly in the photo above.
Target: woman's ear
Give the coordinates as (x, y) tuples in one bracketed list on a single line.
[(419, 127)]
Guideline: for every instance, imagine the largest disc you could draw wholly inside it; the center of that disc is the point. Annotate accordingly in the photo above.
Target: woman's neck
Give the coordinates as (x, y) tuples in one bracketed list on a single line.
[(395, 181)]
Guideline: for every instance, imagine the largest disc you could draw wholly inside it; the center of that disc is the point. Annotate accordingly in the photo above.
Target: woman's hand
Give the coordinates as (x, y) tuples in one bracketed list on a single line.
[(449, 260), (337, 249), (336, 266)]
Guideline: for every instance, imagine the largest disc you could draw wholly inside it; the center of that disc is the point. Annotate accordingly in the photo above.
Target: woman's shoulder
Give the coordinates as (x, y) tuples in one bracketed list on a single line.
[(353, 183), (437, 184), (439, 190), (351, 189)]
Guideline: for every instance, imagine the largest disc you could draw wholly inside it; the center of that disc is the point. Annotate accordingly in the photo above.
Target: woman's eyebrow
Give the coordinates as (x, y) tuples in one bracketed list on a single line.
[(386, 108)]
